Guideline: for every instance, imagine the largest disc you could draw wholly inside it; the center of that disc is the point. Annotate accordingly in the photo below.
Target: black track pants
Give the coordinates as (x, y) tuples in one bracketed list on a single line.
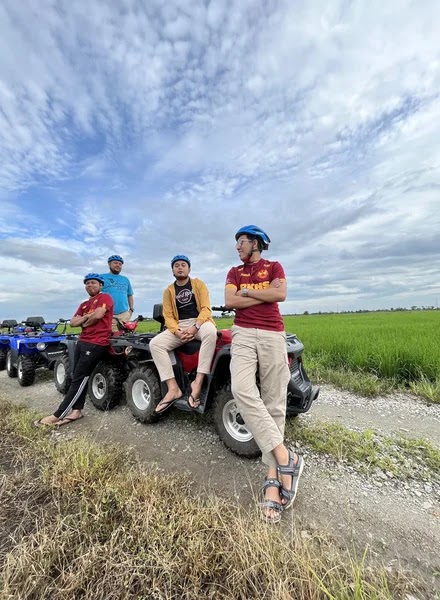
[(87, 356)]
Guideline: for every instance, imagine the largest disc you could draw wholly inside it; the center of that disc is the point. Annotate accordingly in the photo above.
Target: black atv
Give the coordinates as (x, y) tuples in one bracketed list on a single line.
[(105, 386), (144, 389), (130, 361)]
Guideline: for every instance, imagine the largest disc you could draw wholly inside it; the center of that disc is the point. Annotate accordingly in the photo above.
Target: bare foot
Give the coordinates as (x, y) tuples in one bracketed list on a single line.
[(74, 414), (194, 397)]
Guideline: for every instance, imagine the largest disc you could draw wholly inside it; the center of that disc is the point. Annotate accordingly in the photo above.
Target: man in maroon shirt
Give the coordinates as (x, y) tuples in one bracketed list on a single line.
[(259, 343), (94, 316)]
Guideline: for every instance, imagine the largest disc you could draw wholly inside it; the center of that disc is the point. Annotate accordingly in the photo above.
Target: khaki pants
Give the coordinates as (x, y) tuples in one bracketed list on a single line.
[(264, 410), (123, 316), (166, 341)]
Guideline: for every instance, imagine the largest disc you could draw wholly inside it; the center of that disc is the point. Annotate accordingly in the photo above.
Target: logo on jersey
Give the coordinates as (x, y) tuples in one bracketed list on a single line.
[(263, 274), (184, 296)]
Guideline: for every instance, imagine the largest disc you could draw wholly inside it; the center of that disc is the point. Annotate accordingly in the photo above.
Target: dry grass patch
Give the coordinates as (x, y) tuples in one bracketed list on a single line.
[(107, 528)]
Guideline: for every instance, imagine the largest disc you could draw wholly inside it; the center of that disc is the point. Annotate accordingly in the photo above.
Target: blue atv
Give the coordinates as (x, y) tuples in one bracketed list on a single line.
[(7, 327), (27, 343)]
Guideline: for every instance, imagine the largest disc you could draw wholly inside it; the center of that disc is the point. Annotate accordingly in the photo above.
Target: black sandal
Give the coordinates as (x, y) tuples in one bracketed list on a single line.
[(294, 469), (271, 504), (166, 405)]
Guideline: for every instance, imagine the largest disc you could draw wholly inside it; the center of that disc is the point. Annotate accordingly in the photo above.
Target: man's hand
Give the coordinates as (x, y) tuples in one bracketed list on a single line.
[(188, 334), (179, 333), (276, 283)]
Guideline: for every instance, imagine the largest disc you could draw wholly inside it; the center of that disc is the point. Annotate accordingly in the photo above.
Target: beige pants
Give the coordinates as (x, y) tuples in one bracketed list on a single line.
[(264, 409), (124, 316), (166, 341)]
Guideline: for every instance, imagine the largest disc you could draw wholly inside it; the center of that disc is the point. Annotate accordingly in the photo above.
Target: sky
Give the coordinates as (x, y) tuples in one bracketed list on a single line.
[(150, 129)]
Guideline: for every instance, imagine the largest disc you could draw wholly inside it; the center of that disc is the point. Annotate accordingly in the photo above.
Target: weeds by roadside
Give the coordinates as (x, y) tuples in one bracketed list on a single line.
[(427, 389), (369, 384), (405, 458), (87, 521)]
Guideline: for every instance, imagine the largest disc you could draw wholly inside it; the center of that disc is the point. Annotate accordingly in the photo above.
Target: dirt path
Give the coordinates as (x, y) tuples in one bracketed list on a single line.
[(400, 524)]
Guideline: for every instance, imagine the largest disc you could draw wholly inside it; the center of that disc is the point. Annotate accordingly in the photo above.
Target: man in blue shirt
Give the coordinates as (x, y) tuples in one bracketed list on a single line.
[(119, 288)]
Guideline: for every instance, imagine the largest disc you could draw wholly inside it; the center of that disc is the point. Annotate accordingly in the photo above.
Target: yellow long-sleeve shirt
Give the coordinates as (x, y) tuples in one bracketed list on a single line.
[(203, 304)]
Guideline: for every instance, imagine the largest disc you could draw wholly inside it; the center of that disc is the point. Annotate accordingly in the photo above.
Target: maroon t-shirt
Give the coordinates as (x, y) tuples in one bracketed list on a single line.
[(99, 333), (257, 276)]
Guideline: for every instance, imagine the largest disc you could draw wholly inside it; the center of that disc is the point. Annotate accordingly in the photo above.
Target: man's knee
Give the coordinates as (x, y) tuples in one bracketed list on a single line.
[(154, 343), (209, 331), (237, 388)]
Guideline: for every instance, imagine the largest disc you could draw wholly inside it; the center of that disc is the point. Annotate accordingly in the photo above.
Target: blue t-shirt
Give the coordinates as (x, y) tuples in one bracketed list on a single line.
[(119, 288)]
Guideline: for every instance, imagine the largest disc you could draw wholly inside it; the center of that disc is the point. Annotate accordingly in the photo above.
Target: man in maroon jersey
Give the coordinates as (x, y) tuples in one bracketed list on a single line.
[(94, 316), (254, 289)]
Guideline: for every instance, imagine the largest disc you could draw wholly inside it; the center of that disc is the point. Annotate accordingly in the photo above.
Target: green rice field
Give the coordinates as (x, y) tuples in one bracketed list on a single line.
[(371, 352), (400, 349), (400, 345)]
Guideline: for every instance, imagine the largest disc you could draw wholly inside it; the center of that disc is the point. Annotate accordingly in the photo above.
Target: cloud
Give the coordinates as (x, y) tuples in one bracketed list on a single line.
[(156, 128)]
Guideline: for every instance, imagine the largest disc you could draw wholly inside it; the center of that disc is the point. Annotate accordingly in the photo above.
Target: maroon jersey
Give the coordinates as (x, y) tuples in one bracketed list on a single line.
[(98, 333), (257, 276)]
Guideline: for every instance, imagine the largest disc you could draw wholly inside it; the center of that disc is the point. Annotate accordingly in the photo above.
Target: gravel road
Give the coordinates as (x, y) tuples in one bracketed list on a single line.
[(400, 522)]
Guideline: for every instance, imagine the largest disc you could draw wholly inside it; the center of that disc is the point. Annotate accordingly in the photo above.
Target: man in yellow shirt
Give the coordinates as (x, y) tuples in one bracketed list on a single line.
[(187, 314)]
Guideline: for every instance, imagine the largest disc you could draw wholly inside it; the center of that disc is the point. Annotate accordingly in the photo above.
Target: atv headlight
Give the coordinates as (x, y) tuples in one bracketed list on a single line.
[(41, 346), (127, 350)]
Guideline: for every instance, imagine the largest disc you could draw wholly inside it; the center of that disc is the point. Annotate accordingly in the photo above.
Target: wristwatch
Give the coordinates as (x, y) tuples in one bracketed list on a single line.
[(197, 326), (245, 292)]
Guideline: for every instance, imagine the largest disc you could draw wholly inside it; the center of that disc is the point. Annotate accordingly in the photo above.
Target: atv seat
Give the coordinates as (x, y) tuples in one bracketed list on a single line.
[(190, 347), (34, 322), (158, 315), (8, 323)]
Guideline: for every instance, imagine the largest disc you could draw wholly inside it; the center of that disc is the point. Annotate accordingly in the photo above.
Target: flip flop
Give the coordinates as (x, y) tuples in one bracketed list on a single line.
[(196, 401), (39, 423), (67, 421), (166, 405)]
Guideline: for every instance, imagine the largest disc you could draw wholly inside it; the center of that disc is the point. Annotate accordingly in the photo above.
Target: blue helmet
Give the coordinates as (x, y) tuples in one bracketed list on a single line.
[(254, 231), (115, 257), (96, 276), (180, 257)]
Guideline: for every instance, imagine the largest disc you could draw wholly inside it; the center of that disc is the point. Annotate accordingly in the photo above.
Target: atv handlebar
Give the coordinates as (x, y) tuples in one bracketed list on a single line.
[(222, 309)]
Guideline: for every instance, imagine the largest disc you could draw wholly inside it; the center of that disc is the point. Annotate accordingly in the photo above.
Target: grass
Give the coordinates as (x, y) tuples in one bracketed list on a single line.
[(406, 458), (86, 521), (382, 350)]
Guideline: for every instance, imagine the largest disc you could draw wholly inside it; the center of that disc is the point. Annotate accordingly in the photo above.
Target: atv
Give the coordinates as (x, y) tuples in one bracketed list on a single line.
[(144, 389), (130, 361), (5, 337), (30, 348), (10, 341), (105, 384)]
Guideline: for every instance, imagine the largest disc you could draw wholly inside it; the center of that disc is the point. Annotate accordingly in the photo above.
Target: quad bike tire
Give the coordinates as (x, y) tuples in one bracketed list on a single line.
[(105, 386), (26, 368), (10, 369), (230, 426), (143, 394), (61, 374), (2, 359)]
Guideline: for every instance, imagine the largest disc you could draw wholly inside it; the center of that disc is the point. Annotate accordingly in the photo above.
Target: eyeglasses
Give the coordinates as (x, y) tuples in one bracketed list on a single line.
[(239, 243)]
